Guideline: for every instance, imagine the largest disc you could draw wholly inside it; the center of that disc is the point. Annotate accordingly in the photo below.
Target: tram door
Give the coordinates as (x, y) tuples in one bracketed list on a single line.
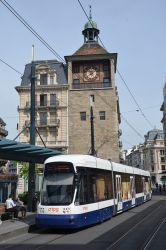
[(119, 192), (132, 190), (144, 188)]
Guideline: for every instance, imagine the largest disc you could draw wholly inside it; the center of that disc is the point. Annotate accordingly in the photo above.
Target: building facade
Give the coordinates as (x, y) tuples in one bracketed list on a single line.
[(91, 79), (8, 179), (51, 105), (135, 156), (154, 156), (150, 156)]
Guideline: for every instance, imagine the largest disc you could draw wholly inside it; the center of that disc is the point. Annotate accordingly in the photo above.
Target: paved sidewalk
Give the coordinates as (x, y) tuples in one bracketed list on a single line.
[(10, 228)]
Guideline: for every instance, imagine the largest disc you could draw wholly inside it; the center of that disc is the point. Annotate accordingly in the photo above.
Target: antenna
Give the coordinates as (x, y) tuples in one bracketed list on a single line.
[(90, 12), (33, 52)]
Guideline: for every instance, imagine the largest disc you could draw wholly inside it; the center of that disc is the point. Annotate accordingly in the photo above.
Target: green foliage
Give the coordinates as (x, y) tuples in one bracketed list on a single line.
[(24, 171), (24, 197)]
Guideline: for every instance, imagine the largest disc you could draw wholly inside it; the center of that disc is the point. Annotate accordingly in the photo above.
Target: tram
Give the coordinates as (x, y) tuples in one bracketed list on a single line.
[(81, 190)]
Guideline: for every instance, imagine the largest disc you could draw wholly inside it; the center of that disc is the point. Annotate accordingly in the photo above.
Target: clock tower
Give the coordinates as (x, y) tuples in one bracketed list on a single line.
[(91, 73)]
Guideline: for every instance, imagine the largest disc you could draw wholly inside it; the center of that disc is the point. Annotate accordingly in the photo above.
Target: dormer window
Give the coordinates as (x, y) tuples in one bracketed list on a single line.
[(43, 79)]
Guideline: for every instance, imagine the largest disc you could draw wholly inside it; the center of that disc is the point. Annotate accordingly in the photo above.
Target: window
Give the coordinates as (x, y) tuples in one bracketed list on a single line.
[(52, 99), (106, 82), (76, 81), (43, 118), (161, 152), (105, 66), (43, 100), (162, 159), (76, 68), (43, 79), (102, 115), (51, 80), (83, 116), (162, 167)]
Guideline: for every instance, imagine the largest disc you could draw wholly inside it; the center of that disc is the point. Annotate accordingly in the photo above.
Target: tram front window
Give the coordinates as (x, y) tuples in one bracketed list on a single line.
[(57, 187)]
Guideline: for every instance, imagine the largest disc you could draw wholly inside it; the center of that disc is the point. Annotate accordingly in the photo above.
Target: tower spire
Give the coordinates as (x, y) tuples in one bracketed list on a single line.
[(90, 12), (90, 31)]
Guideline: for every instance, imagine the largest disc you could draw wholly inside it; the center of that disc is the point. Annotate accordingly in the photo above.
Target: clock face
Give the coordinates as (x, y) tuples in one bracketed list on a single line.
[(91, 73)]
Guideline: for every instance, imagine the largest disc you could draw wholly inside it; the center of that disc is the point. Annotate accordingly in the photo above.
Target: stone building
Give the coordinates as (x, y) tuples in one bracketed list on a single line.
[(91, 73), (51, 104), (63, 100), (150, 156), (135, 156), (154, 156)]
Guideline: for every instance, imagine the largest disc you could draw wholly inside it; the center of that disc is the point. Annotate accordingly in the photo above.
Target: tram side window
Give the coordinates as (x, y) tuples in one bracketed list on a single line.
[(108, 186), (138, 184), (104, 186), (92, 190), (82, 189), (147, 185), (100, 184), (125, 186)]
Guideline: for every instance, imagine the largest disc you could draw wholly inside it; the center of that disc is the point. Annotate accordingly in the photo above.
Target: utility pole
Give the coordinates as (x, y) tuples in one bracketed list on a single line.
[(91, 98), (31, 177)]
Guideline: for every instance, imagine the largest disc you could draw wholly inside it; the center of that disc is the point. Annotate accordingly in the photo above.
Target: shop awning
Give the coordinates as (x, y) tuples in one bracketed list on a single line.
[(16, 151)]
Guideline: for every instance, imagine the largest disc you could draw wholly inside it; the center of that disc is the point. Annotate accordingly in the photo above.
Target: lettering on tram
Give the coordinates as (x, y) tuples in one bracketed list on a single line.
[(81, 190)]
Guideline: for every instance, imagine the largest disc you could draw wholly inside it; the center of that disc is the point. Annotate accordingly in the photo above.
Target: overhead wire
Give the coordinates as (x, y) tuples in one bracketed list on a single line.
[(24, 22), (147, 120), (11, 67)]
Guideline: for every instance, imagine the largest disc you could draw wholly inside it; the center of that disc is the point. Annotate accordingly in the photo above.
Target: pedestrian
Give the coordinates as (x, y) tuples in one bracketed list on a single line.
[(164, 187), (21, 207), (156, 185), (160, 188), (11, 207)]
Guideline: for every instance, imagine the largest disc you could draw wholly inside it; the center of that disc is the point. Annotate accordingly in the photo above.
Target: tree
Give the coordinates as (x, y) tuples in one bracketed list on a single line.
[(24, 170)]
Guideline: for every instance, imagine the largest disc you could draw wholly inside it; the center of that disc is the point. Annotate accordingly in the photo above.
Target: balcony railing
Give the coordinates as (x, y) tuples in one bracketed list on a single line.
[(91, 85), (43, 104), (51, 144), (48, 123)]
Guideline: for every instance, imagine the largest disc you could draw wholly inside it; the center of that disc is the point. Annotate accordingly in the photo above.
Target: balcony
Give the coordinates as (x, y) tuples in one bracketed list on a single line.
[(48, 123), (52, 144), (93, 85), (43, 104)]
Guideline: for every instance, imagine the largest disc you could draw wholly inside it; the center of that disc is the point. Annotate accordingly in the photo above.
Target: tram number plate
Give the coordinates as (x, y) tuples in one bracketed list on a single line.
[(53, 209)]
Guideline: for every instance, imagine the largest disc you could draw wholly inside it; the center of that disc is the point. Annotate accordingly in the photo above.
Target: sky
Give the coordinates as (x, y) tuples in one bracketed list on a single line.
[(133, 29)]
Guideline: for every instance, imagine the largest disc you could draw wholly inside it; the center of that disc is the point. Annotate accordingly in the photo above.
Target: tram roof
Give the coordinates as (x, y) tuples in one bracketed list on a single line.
[(13, 150)]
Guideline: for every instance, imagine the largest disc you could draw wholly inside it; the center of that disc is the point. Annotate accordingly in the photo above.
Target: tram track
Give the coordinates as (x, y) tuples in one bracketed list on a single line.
[(119, 243), (138, 232)]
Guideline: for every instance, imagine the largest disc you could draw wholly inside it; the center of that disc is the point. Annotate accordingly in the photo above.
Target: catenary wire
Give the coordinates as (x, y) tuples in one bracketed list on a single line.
[(147, 120), (11, 67), (22, 20)]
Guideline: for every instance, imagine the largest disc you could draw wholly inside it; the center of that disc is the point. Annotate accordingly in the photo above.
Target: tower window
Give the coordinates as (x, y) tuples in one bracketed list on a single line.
[(102, 115), (43, 79), (76, 83), (83, 116), (106, 82), (105, 67), (76, 68)]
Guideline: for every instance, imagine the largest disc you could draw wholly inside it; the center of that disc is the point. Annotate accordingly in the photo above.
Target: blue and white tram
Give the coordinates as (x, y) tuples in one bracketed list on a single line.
[(80, 190)]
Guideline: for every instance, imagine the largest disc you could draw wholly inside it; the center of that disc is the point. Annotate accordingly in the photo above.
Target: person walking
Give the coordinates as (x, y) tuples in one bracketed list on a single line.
[(11, 207)]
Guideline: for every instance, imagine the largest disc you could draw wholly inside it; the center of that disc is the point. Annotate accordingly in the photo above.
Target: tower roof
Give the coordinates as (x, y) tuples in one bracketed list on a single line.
[(90, 49)]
